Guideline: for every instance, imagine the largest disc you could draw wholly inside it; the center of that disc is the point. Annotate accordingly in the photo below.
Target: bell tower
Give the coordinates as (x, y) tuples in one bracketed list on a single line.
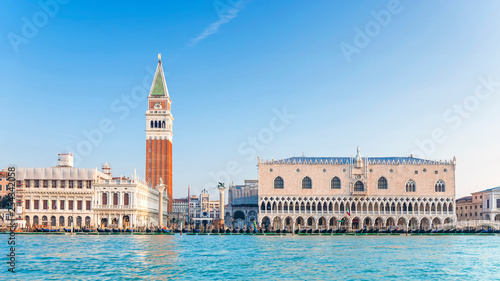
[(159, 134)]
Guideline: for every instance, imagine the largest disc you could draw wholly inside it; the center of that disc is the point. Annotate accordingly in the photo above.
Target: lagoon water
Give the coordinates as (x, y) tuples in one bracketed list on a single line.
[(124, 257)]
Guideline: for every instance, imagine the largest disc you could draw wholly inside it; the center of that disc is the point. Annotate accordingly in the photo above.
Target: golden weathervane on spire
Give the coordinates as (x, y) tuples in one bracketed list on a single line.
[(159, 56)]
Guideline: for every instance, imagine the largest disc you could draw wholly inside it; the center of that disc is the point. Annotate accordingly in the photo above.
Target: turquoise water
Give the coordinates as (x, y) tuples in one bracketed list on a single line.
[(255, 257)]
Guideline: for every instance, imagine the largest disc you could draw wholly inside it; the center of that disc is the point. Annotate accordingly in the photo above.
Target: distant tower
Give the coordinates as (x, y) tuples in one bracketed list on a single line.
[(106, 169), (65, 160), (159, 121)]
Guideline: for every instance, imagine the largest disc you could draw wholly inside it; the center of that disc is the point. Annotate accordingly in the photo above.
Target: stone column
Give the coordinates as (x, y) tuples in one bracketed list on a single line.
[(161, 187), (221, 203)]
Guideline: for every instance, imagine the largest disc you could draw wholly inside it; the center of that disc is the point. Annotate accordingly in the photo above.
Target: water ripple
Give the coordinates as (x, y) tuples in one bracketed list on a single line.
[(257, 257)]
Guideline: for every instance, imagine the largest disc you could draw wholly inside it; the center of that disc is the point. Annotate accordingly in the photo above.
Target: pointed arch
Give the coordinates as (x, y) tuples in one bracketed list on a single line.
[(335, 183), (306, 183), (279, 183), (382, 183), (359, 186), (440, 186), (411, 186)]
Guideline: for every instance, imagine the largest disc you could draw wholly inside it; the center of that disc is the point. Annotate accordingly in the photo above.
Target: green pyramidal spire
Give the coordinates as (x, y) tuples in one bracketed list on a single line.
[(159, 84)]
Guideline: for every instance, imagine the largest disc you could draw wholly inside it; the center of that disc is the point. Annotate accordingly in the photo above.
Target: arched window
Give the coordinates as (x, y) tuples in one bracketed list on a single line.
[(359, 186), (335, 183), (306, 183), (440, 186), (382, 183), (105, 199), (115, 199), (151, 124), (411, 186), (163, 124), (278, 183), (126, 199)]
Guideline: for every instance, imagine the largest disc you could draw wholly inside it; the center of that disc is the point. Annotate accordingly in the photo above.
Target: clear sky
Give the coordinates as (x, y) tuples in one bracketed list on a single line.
[(394, 78)]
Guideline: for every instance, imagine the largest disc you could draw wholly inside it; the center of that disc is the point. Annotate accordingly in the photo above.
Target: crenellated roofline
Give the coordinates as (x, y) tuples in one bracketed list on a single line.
[(352, 160)]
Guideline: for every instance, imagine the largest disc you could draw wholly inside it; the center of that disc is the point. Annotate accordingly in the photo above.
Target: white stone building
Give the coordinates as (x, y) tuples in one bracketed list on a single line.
[(481, 205), (356, 192), (58, 196), (63, 196), (124, 203), (180, 205), (202, 209), (243, 204)]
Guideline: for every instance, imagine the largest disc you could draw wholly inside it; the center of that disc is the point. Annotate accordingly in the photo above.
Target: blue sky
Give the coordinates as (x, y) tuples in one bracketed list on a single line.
[(413, 77)]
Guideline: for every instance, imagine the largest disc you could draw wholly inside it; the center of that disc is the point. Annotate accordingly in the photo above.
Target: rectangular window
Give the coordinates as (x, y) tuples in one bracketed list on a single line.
[(475, 207), (79, 204), (88, 205), (80, 184), (70, 184), (61, 205), (89, 184), (27, 204), (70, 205), (45, 183), (488, 204), (54, 184), (27, 183), (498, 203), (37, 183), (45, 204), (36, 204), (54, 205)]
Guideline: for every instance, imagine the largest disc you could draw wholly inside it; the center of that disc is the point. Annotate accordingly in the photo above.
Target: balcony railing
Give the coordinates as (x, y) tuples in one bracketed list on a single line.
[(113, 207)]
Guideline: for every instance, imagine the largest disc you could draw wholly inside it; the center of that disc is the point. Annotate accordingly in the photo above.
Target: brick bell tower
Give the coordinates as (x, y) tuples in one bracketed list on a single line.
[(159, 122)]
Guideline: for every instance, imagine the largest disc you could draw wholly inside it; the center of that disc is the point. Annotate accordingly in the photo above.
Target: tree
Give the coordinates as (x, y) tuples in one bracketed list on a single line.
[(5, 202)]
